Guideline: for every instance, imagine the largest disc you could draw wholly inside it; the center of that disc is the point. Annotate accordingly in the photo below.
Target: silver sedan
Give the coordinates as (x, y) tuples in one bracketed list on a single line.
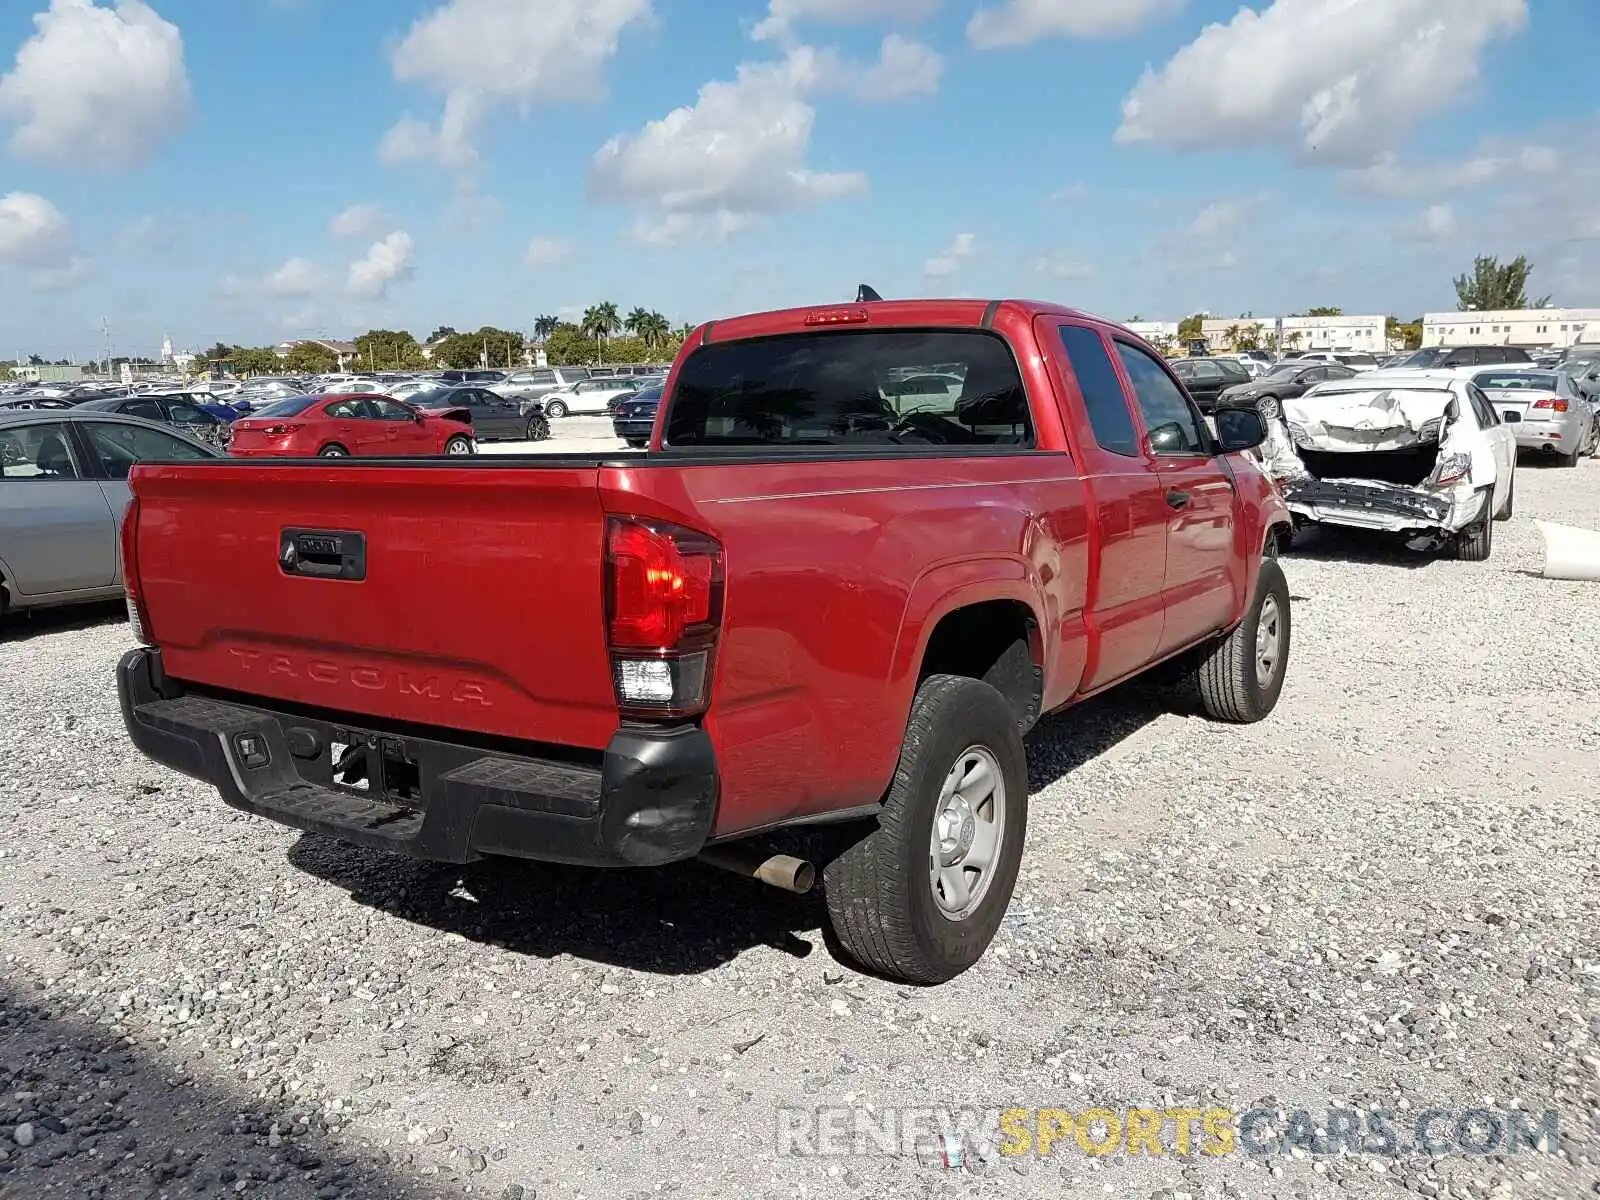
[(63, 489), (1545, 409)]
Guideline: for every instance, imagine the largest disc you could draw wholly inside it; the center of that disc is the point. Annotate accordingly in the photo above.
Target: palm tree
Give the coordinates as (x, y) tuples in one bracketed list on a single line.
[(600, 321), (1231, 335), (654, 328), (544, 326), (637, 322)]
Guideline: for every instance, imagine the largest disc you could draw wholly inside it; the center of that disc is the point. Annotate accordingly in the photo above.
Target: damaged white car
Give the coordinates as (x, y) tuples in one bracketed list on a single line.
[(1420, 453)]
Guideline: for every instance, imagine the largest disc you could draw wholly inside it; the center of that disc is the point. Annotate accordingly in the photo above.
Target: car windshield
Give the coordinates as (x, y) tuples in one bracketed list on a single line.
[(292, 407), (843, 388)]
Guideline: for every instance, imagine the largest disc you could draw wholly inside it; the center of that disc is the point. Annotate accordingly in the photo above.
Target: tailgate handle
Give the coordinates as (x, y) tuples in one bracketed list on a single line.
[(323, 553)]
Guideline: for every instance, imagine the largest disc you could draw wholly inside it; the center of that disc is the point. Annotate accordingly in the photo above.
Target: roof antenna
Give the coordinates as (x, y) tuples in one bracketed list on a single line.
[(865, 294)]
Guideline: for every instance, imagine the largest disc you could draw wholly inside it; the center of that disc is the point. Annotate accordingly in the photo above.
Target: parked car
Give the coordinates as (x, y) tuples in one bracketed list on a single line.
[(1544, 410), (192, 412), (853, 615), (1206, 378), (635, 416), (1420, 453), (587, 397), (63, 488), (490, 377), (1444, 358), (340, 425), (1290, 378), (531, 385), (494, 418)]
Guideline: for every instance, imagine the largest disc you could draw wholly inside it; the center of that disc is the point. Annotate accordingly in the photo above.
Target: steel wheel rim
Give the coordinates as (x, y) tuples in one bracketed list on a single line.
[(968, 831), (1269, 640)]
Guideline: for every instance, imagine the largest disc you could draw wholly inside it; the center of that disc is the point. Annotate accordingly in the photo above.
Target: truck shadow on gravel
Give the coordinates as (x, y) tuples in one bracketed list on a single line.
[(682, 919), (108, 1119), (20, 626), (1370, 548)]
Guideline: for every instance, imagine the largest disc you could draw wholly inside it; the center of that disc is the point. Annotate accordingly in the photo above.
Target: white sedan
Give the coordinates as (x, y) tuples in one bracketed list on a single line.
[(588, 396)]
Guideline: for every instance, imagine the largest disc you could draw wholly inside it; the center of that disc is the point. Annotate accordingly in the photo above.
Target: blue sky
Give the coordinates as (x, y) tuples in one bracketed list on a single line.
[(262, 169)]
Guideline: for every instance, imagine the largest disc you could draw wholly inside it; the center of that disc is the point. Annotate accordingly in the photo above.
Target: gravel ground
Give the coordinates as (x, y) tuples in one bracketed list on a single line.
[(1386, 894)]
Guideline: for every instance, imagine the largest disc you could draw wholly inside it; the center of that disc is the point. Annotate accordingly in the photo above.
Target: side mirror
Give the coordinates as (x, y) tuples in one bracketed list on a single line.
[(1167, 438), (1239, 429)]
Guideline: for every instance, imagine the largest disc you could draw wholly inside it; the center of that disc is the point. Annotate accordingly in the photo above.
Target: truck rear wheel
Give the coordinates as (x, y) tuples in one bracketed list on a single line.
[(1241, 678), (921, 897)]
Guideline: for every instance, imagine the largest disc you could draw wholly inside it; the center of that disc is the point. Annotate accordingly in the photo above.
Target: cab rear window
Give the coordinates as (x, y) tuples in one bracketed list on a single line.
[(852, 388)]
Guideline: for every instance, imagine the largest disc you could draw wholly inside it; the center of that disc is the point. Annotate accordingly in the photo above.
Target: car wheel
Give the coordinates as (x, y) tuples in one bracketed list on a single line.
[(1476, 542), (538, 429), (1241, 677), (555, 409), (1270, 408), (921, 897), (637, 443), (459, 444), (1570, 460), (333, 451), (1594, 446)]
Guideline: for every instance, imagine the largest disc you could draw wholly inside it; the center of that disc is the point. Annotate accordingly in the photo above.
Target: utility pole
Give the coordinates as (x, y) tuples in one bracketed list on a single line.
[(105, 328)]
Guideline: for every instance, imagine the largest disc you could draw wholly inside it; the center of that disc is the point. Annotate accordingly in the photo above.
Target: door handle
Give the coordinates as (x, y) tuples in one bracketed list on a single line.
[(1177, 499)]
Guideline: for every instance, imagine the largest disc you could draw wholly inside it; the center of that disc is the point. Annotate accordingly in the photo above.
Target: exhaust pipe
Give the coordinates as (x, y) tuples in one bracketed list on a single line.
[(782, 871)]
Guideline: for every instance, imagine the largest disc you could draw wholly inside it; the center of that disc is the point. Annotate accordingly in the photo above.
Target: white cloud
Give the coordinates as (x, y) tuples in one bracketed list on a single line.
[(1224, 218), (1436, 223), (1069, 194), (904, 68), (1018, 22), (296, 277), (66, 278), (96, 86), (949, 261), (546, 251), (385, 263), (783, 15), (481, 54), (715, 167), (1062, 266), (358, 220), (1335, 79), (1388, 176), (33, 232)]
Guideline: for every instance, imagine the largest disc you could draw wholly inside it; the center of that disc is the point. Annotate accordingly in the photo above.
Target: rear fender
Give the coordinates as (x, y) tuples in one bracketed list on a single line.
[(942, 590)]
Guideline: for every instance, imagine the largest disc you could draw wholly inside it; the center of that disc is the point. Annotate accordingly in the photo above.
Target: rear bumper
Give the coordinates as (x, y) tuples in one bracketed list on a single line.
[(1367, 505), (650, 800)]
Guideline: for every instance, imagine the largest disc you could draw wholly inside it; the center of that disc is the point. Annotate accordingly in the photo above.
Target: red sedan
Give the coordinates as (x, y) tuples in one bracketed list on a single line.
[(334, 426)]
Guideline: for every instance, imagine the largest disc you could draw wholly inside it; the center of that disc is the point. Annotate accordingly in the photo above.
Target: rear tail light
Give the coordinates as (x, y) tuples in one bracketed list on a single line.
[(664, 586), (276, 430), (1556, 404), (1451, 468), (838, 316), (138, 619)]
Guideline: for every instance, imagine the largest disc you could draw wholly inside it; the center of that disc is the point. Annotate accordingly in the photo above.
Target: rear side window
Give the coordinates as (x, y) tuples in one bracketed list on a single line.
[(854, 388), (1102, 390)]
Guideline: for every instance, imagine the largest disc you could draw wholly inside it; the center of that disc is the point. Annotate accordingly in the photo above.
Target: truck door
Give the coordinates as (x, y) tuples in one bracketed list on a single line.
[(1201, 561), (1124, 599)]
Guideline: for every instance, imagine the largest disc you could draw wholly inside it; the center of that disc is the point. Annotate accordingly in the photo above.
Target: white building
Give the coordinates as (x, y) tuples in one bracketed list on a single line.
[(1227, 333), (1345, 334), (1556, 327), (1160, 334)]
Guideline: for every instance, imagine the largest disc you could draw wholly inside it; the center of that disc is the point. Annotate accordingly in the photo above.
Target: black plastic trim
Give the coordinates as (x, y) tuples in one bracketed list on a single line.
[(650, 799), (989, 314)]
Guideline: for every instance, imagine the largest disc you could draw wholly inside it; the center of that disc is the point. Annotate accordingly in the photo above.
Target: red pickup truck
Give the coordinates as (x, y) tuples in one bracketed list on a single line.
[(868, 547)]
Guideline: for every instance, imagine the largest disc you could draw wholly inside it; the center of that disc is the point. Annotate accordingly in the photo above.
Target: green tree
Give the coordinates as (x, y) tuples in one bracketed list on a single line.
[(443, 331), (1232, 334), (544, 326), (655, 329), (600, 321), (636, 321), (569, 346), (1249, 337), (35, 361), (1407, 333), (1134, 320), (387, 349), (1326, 311), (309, 358), (247, 360), (1493, 286), (500, 347), (1189, 327)]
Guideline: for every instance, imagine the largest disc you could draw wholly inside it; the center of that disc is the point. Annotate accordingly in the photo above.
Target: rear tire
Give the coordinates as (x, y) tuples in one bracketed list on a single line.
[(1241, 677), (916, 907), (333, 450), (1571, 460), (1476, 542), (637, 443), (538, 429), (1511, 500), (555, 410)]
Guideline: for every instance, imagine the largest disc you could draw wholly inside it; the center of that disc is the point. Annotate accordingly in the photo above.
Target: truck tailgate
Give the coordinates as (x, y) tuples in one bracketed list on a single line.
[(479, 605)]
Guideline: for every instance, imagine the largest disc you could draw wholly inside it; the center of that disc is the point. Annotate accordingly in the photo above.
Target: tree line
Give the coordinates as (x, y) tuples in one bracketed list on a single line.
[(603, 335)]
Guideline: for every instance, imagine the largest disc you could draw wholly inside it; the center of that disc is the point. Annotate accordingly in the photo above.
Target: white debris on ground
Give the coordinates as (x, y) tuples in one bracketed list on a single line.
[(1386, 895)]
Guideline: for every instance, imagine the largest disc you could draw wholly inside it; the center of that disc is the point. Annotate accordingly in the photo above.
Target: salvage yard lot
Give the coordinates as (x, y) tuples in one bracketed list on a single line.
[(1385, 894)]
